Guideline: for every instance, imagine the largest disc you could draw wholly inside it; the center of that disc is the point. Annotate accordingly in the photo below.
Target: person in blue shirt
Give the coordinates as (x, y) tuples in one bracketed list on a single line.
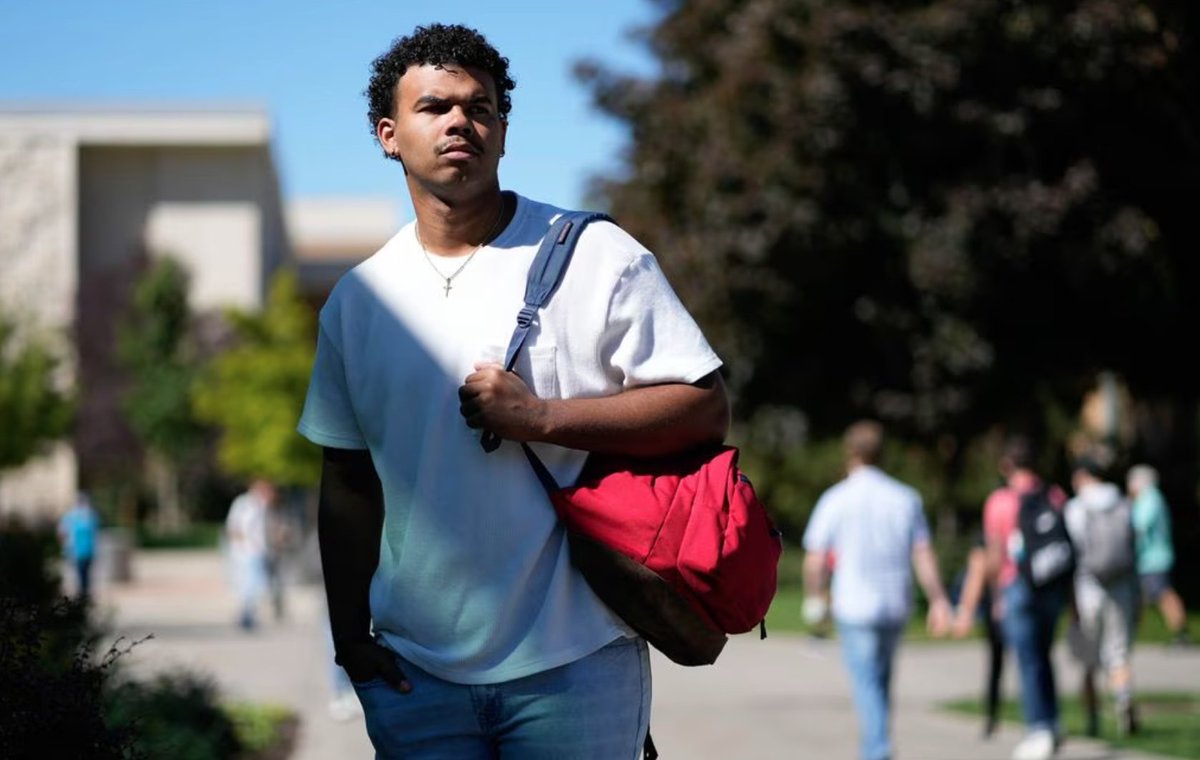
[(1155, 552), (876, 527), (77, 531)]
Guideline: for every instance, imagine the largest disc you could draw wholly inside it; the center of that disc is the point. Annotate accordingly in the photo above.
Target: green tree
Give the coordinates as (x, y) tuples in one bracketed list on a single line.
[(947, 215), (35, 406), (253, 393), (155, 346)]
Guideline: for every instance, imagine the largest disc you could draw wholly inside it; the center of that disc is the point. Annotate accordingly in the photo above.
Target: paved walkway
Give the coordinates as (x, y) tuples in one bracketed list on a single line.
[(784, 697)]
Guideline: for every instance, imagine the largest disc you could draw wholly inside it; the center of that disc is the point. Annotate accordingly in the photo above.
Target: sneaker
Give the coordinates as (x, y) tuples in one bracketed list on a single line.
[(1037, 745), (1181, 639), (344, 707)]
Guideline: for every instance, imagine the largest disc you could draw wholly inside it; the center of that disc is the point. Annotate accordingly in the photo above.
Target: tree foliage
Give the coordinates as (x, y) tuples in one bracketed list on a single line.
[(62, 695), (35, 407), (154, 344), (932, 213), (253, 392)]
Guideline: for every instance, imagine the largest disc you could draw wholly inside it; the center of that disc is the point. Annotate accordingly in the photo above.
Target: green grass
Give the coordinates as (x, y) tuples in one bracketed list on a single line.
[(259, 727), (1170, 722), (195, 536)]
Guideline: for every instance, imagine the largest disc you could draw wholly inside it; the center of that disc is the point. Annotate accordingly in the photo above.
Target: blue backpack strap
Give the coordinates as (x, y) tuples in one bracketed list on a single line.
[(544, 275)]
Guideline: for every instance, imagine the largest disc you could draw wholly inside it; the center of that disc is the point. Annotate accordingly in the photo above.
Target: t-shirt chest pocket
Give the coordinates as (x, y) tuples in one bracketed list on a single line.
[(538, 367)]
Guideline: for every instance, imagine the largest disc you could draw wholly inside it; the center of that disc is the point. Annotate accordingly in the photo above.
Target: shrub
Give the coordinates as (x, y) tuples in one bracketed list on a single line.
[(58, 701), (175, 715), (51, 690)]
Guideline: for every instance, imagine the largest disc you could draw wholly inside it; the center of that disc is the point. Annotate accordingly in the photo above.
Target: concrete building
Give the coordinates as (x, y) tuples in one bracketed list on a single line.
[(88, 196), (331, 235)]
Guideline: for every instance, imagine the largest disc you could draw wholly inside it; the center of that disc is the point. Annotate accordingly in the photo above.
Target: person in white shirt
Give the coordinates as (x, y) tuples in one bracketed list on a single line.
[(247, 536), (453, 604), (876, 528)]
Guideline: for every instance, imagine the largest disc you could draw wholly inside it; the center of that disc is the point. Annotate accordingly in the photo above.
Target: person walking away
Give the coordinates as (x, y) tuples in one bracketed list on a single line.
[(876, 525), (976, 601), (78, 531), (1029, 612), (1155, 550), (1100, 522), (247, 535), (453, 604), (281, 537)]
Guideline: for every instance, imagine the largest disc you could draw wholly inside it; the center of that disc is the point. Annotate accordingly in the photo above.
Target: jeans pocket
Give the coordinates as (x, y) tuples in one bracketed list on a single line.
[(370, 683)]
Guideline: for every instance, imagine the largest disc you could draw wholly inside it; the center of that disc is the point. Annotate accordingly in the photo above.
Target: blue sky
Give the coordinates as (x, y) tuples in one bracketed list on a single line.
[(307, 64)]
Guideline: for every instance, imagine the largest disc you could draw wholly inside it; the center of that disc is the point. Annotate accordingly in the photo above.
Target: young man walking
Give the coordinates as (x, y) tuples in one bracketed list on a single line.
[(453, 604), (876, 526), (1155, 550), (248, 536), (1106, 588)]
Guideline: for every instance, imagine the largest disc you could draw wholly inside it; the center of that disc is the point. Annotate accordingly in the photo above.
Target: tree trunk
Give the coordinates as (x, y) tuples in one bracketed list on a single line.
[(164, 478)]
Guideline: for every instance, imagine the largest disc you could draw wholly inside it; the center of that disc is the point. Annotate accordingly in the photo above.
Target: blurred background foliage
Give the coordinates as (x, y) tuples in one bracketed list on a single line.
[(36, 402), (252, 392), (157, 349), (920, 211), (65, 694)]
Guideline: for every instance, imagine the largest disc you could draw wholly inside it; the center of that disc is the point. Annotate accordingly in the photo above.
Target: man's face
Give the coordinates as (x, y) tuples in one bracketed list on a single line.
[(446, 128)]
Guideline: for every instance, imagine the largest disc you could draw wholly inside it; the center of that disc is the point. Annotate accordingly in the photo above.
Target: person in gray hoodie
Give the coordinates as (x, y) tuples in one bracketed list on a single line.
[(1106, 587)]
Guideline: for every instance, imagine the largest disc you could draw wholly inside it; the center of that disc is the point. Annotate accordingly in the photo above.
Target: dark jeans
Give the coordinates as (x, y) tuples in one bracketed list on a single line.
[(995, 645), (1029, 623), (83, 574)]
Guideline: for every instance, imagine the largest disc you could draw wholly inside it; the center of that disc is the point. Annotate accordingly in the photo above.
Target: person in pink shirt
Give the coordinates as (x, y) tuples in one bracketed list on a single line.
[(1028, 616)]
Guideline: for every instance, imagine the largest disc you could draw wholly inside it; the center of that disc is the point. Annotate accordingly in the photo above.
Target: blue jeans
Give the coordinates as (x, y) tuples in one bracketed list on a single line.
[(83, 574), (250, 580), (596, 708), (868, 651), (1029, 623)]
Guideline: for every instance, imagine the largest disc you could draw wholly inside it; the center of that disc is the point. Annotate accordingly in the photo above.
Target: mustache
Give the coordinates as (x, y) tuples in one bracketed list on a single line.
[(457, 143)]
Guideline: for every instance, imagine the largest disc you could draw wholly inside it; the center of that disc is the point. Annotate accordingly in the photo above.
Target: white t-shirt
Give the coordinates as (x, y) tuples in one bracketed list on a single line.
[(246, 524), (871, 522), (474, 583)]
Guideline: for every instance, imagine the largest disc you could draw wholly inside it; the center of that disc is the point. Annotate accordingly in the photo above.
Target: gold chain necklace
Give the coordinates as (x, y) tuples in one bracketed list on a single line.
[(450, 278)]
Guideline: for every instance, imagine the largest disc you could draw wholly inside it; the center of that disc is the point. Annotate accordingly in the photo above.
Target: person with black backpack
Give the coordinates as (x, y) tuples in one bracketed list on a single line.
[(1099, 520), (1030, 562)]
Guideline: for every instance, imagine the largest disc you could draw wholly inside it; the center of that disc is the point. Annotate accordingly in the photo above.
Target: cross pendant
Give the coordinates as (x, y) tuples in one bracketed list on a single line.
[(446, 287)]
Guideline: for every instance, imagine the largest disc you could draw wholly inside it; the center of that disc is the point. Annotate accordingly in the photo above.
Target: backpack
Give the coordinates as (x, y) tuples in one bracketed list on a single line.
[(1047, 558), (679, 547), (1108, 543), (693, 519)]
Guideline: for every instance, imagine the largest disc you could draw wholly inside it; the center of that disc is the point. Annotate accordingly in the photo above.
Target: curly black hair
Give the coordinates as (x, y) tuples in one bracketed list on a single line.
[(434, 45)]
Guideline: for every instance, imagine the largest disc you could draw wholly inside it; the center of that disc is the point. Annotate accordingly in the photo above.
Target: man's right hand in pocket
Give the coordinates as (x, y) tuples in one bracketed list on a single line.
[(365, 660)]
